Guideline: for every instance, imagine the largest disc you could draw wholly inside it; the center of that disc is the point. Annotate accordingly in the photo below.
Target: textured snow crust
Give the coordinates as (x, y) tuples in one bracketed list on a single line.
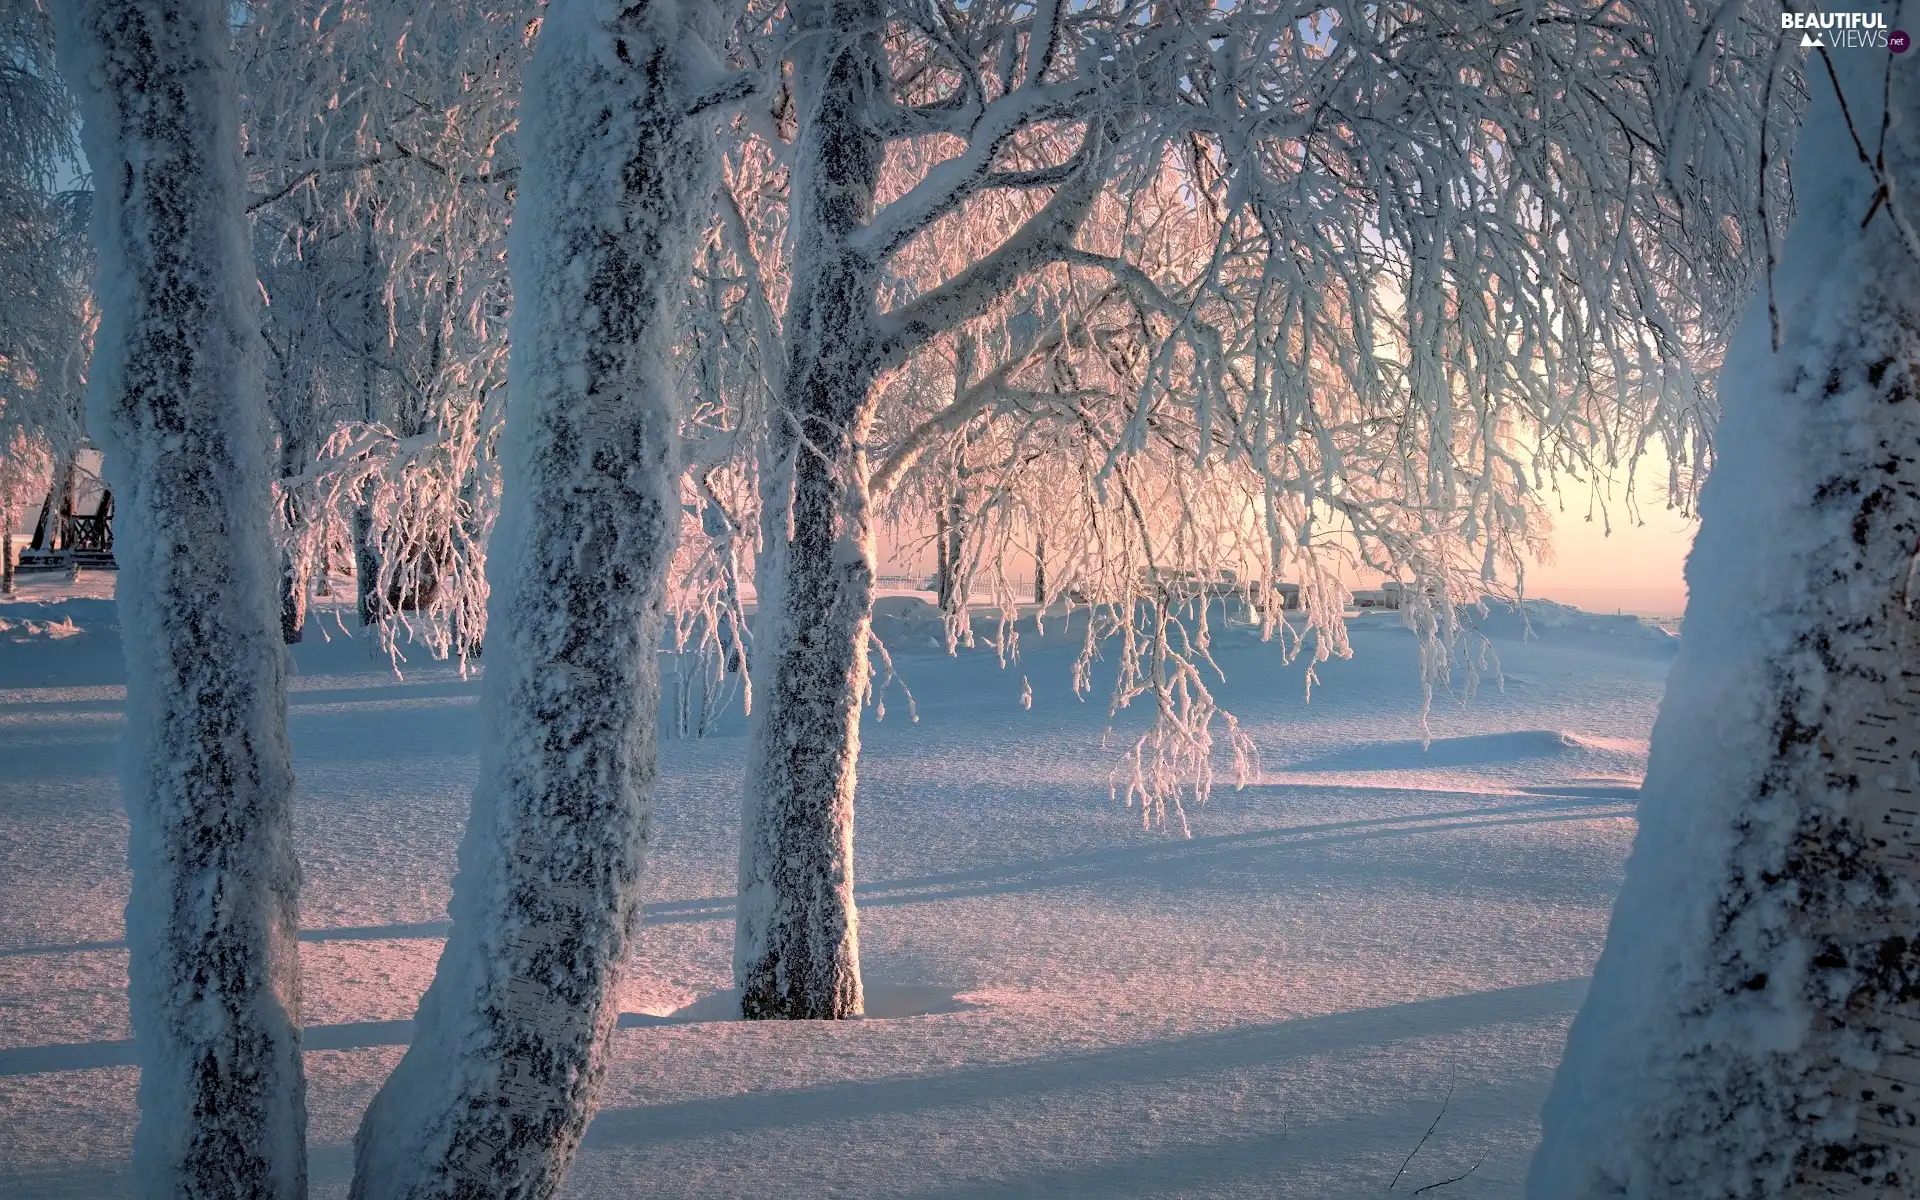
[(1057, 1002)]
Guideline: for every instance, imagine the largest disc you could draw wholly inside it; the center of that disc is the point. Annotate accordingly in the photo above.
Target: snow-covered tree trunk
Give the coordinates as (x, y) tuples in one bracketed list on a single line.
[(796, 945), (1753, 1028), (953, 527), (6, 550), (366, 569), (942, 564), (293, 603), (60, 500), (366, 559), (511, 1039), (180, 409), (293, 587)]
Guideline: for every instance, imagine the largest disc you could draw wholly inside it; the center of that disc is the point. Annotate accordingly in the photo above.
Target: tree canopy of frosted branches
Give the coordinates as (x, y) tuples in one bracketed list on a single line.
[(1406, 274), (1362, 281), (380, 155), (1399, 266)]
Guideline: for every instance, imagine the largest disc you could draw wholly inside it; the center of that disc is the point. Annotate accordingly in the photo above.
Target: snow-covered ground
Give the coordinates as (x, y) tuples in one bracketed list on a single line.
[(1063, 1003)]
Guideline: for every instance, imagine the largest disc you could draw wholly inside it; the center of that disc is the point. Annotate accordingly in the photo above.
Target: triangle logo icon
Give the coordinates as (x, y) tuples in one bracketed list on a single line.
[(1810, 41)]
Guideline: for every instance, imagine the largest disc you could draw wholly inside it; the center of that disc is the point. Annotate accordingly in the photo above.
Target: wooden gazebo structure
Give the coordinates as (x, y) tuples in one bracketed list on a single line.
[(74, 530)]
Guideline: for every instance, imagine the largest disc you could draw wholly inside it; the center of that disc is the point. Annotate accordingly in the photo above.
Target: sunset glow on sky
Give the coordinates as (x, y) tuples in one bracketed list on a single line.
[(1635, 568)]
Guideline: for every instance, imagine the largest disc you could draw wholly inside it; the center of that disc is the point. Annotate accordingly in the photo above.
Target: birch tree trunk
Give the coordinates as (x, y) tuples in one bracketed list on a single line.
[(955, 529), (1753, 1028), (293, 603), (796, 937), (180, 408), (60, 500), (293, 588), (366, 569), (942, 565), (366, 558), (511, 1039)]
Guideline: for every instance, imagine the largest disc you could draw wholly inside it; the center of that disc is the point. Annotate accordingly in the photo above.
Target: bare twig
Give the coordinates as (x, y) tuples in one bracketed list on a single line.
[(1423, 1139), (1456, 1179), (1883, 188), (255, 203), (1766, 220)]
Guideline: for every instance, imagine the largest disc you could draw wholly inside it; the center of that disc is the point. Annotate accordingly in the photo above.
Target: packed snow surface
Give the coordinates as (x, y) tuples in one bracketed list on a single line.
[(1059, 1002)]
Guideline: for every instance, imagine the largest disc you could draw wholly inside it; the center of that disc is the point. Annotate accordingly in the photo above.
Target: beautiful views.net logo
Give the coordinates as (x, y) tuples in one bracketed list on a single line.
[(1844, 31)]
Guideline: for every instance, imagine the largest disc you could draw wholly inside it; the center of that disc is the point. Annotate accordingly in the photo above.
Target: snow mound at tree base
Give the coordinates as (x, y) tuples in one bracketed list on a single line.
[(884, 1002)]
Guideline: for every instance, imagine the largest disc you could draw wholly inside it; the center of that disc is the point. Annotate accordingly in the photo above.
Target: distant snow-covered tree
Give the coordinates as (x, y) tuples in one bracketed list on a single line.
[(380, 153), (48, 332), (176, 393), (45, 323)]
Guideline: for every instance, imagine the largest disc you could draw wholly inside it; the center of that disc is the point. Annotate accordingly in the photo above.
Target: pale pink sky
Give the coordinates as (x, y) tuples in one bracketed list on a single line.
[(1635, 568)]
